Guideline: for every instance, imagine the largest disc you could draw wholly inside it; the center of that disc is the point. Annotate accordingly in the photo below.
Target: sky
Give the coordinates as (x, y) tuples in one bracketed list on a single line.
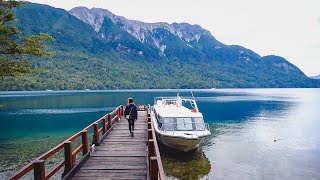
[(288, 28)]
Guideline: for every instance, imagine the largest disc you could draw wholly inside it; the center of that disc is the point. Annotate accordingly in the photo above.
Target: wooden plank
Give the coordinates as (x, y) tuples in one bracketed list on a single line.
[(140, 135), (127, 125), (127, 132), (121, 139), (135, 123), (121, 148), (110, 143), (114, 167), (112, 159), (125, 129), (126, 140), (108, 175), (113, 171), (110, 164), (119, 153), (110, 178), (122, 144), (115, 162)]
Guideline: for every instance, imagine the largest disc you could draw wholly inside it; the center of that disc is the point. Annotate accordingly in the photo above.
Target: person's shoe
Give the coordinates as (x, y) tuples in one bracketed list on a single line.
[(131, 134)]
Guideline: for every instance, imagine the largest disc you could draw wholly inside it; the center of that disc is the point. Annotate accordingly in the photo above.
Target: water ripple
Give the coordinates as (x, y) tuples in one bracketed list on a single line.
[(61, 111), (243, 98)]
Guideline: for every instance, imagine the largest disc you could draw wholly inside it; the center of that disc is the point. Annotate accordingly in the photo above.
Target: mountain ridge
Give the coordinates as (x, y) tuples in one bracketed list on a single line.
[(315, 77), (113, 55)]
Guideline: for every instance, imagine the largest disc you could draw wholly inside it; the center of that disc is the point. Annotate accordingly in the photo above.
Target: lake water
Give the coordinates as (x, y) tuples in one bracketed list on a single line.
[(256, 133)]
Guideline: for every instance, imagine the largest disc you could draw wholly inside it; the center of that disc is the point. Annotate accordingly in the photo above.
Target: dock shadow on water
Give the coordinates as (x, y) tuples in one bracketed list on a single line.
[(180, 165)]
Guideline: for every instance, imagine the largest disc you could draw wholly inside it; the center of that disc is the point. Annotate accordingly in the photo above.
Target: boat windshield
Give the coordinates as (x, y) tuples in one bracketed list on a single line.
[(182, 124), (168, 124)]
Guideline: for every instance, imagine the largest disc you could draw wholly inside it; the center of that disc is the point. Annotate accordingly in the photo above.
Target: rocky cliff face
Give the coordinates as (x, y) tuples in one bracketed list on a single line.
[(144, 32)]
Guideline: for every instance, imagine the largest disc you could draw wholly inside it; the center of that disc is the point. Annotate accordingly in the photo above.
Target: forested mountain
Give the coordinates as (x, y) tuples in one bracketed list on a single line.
[(96, 49)]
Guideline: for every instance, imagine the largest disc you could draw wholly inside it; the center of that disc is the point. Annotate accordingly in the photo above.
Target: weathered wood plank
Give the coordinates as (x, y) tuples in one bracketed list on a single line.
[(125, 148), (125, 131), (113, 171), (126, 123), (102, 167), (108, 174), (126, 140), (109, 178), (119, 153), (112, 159), (133, 163), (127, 135), (122, 143)]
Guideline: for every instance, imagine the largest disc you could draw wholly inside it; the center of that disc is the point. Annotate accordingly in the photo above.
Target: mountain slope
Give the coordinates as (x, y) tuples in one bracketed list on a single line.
[(96, 49), (315, 77)]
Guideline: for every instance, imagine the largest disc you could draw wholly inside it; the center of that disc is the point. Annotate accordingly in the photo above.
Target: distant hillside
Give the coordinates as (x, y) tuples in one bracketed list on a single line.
[(96, 49), (315, 77)]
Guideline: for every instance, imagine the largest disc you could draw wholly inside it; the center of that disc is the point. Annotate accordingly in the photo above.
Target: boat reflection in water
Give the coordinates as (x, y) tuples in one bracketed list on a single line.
[(191, 165)]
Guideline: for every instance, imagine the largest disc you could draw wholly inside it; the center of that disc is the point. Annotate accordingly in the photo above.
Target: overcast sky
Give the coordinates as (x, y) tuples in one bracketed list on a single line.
[(288, 28)]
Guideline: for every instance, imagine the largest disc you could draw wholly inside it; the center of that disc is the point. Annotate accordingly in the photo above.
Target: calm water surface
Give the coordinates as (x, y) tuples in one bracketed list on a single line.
[(256, 133)]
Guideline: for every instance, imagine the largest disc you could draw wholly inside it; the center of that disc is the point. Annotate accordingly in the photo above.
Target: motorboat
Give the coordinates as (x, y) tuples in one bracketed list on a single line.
[(178, 122)]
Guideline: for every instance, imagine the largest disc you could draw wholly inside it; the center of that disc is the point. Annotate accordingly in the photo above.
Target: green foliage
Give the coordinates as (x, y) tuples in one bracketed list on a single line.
[(14, 48)]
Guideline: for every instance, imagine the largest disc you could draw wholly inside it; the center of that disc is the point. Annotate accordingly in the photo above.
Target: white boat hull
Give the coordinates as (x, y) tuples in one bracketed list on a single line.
[(180, 143)]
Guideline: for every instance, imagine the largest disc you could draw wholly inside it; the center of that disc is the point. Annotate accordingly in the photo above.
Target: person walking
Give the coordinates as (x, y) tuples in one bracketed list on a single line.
[(131, 114)]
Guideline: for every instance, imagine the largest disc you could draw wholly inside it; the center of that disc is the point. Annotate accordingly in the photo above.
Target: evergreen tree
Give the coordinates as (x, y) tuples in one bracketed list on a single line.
[(14, 48)]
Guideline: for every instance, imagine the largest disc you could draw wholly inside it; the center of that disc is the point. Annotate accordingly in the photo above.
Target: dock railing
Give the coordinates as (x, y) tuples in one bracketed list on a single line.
[(155, 170), (102, 126)]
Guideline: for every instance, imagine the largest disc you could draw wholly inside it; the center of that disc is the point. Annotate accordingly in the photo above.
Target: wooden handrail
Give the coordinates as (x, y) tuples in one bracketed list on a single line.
[(23, 171), (55, 170), (155, 164), (71, 156), (114, 119), (77, 150)]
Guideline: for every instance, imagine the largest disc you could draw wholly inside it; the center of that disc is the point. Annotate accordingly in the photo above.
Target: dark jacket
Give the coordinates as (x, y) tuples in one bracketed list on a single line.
[(134, 111)]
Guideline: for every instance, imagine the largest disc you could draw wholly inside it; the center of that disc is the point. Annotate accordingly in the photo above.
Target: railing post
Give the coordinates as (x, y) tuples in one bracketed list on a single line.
[(95, 133), (121, 107), (39, 170), (118, 114), (109, 121), (104, 128), (85, 144), (153, 168), (149, 133), (151, 148), (67, 157)]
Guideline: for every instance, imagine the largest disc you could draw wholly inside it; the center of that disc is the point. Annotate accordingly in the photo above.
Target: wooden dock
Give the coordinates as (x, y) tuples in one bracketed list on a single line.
[(119, 156), (116, 155)]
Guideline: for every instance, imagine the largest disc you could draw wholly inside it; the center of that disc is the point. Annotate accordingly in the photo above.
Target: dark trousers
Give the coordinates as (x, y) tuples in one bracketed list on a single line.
[(131, 124)]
